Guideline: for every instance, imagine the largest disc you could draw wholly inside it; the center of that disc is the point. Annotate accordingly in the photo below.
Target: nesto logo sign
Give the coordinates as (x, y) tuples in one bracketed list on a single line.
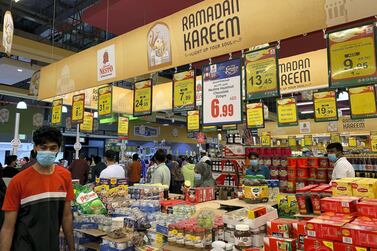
[(106, 63)]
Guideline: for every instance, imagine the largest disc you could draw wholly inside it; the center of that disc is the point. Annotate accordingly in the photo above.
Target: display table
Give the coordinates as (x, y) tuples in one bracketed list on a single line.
[(241, 203)]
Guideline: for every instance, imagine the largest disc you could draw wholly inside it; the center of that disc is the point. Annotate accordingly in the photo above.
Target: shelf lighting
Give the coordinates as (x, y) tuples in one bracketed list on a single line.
[(21, 105), (307, 112)]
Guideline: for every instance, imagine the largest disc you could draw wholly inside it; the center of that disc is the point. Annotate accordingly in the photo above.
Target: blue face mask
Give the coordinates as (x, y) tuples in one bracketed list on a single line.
[(332, 157), (254, 162), (198, 176), (46, 158)]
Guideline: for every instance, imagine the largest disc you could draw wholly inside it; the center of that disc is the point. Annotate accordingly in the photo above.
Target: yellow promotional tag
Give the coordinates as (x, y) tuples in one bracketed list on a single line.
[(363, 102), (308, 140), (255, 115), (105, 101), (78, 105), (57, 106), (143, 98), (352, 142), (292, 141), (325, 106), (87, 124), (335, 137), (287, 112), (184, 91), (373, 141), (266, 139), (193, 121), (123, 126)]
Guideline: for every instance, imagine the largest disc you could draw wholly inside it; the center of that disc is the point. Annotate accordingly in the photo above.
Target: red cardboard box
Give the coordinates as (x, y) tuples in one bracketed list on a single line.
[(325, 229), (367, 207), (299, 233), (279, 244), (346, 218), (316, 195), (360, 235), (311, 244), (343, 204), (281, 228), (346, 247)]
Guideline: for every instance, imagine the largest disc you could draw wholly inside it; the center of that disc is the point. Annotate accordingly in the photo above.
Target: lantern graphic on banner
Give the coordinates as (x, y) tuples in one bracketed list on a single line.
[(8, 29), (159, 48)]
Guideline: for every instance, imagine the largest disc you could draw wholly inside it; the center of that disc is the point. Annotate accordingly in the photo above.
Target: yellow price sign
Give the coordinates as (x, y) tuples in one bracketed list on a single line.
[(193, 121), (308, 140), (57, 106), (262, 74), (78, 108), (363, 102), (87, 124), (255, 115), (105, 101), (352, 142), (373, 141), (266, 139), (184, 91), (287, 112), (143, 98), (209, 128), (352, 55), (292, 141), (325, 108), (335, 138), (123, 123)]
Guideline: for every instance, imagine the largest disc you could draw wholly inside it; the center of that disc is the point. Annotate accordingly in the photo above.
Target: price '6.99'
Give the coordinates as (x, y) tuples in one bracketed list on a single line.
[(218, 110)]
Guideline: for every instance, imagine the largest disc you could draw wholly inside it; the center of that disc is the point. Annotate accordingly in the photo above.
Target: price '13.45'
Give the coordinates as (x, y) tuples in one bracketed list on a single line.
[(226, 110)]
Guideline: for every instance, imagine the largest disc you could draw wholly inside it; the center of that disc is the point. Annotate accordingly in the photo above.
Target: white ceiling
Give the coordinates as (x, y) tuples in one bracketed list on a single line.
[(13, 71)]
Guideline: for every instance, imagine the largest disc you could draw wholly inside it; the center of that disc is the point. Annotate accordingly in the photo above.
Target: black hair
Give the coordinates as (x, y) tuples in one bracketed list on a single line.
[(89, 159), (335, 145), (97, 159), (190, 160), (26, 159), (46, 134), (169, 157), (253, 154), (111, 155), (9, 159), (33, 154), (135, 157), (160, 156)]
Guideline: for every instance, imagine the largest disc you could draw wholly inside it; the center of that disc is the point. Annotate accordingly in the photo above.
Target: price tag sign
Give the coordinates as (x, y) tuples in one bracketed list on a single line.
[(123, 126), (57, 106), (363, 102), (143, 98), (325, 108), (308, 140), (373, 141), (352, 142), (352, 56), (193, 121), (266, 139), (255, 115), (335, 138), (105, 101), (262, 78), (292, 141), (87, 124), (287, 112), (184, 91), (78, 108), (222, 96)]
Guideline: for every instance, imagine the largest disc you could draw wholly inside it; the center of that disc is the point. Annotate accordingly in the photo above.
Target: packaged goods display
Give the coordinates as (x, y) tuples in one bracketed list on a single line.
[(287, 205), (359, 187)]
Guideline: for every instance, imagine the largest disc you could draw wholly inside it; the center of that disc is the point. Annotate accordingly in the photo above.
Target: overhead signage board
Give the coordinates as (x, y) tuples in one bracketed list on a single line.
[(87, 124), (123, 125), (222, 93), (143, 98), (105, 101), (287, 112), (184, 91), (363, 102), (78, 108), (106, 68), (193, 121), (325, 108), (255, 115), (57, 106)]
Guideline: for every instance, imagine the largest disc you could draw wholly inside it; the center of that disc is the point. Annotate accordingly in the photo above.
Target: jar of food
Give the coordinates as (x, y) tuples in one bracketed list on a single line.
[(198, 239), (229, 233), (242, 237)]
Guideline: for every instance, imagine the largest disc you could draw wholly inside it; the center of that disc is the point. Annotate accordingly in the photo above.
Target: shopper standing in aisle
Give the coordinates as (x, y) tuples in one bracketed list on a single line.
[(38, 200), (204, 157), (203, 175), (188, 171), (31, 161), (162, 173), (10, 169), (342, 167), (80, 169), (256, 168), (98, 168), (113, 169), (177, 178), (134, 170), (152, 167)]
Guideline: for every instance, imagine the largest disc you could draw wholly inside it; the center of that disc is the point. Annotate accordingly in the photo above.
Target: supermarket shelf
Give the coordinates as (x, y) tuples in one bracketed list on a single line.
[(305, 215), (359, 171), (92, 245), (92, 232)]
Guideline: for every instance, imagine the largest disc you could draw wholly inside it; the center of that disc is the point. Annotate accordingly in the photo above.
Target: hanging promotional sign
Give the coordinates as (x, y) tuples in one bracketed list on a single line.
[(123, 123), (78, 108), (143, 98), (262, 76), (352, 142), (363, 102), (87, 124), (265, 139), (193, 121), (222, 93), (255, 115), (184, 91), (373, 141), (352, 56), (287, 112), (8, 29), (105, 101), (292, 141), (335, 138), (106, 63), (308, 140), (325, 108), (57, 106)]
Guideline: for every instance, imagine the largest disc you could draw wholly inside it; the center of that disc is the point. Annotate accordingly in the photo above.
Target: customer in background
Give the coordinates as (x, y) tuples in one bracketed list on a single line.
[(98, 168), (342, 168), (255, 168), (169, 161), (113, 169), (10, 169), (162, 173), (204, 157), (80, 169), (134, 170), (3, 190), (151, 168), (203, 175), (177, 178), (188, 171), (31, 161)]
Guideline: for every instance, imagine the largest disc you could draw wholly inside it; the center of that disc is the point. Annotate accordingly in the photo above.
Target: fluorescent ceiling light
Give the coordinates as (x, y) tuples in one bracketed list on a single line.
[(344, 109), (19, 70), (165, 124), (305, 103), (21, 105), (95, 115), (343, 96), (307, 112), (64, 109)]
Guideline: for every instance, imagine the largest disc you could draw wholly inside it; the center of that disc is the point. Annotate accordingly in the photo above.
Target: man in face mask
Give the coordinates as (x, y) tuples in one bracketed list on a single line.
[(38, 200), (255, 168), (342, 168)]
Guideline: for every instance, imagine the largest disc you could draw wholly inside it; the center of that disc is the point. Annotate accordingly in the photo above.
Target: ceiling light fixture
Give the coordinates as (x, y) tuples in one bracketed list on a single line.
[(307, 112), (165, 124), (344, 109), (19, 70), (95, 115), (305, 103), (64, 109), (343, 96), (21, 105)]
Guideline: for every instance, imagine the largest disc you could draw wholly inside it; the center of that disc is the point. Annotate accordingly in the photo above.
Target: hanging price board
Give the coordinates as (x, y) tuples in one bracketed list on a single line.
[(308, 140), (325, 108), (352, 142), (373, 141), (78, 108), (363, 102), (87, 124), (335, 138), (287, 112), (265, 139), (352, 56), (193, 121), (255, 115), (222, 96), (143, 98), (184, 91), (292, 141), (105, 101), (262, 76), (57, 106), (123, 126)]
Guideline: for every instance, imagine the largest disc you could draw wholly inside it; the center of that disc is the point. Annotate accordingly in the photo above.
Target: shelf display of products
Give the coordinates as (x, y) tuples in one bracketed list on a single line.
[(365, 165)]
